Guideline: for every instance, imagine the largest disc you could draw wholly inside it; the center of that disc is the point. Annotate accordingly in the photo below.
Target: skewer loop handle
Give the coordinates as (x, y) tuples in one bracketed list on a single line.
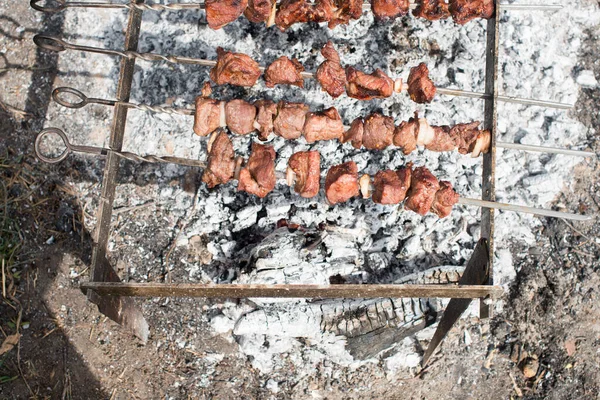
[(52, 159), (51, 6), (49, 43), (58, 95)]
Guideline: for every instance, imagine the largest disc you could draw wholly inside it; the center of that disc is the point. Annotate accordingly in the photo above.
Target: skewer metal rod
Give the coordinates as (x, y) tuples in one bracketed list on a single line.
[(506, 99), (545, 149), (523, 209)]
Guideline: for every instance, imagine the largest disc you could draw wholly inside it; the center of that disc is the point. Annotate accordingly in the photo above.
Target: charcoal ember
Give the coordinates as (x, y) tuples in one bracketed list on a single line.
[(465, 135), (431, 9), (207, 117), (221, 161), (423, 187), (330, 74), (267, 110), (362, 86), (378, 132), (234, 68), (341, 183), (306, 166), (258, 10), (258, 176), (284, 71), (420, 87), (344, 11), (290, 119), (444, 199), (405, 135), (221, 12), (388, 188), (354, 134), (290, 12), (442, 140), (239, 116), (324, 125), (464, 11), (389, 9)]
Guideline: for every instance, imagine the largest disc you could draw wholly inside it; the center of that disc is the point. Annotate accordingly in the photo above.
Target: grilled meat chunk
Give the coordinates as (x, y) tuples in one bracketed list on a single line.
[(444, 199), (431, 9), (464, 11), (234, 68), (423, 186), (306, 167), (388, 188), (239, 115), (341, 183), (442, 141), (290, 12), (258, 176), (221, 12), (368, 86), (324, 125), (207, 117), (420, 88), (221, 160), (378, 132), (267, 110), (354, 134), (331, 74), (284, 71), (465, 135), (405, 135), (389, 9), (290, 119), (258, 10), (344, 11)]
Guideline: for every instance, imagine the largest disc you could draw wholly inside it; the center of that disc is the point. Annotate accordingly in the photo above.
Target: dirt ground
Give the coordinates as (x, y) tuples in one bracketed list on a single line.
[(67, 350)]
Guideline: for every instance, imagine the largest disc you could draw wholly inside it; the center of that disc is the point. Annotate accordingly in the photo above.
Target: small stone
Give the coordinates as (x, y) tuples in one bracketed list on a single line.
[(529, 367), (587, 79), (50, 240), (571, 347), (272, 385)]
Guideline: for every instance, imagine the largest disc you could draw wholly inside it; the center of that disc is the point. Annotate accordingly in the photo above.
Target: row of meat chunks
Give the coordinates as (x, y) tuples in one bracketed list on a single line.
[(335, 12), (418, 188), (241, 70)]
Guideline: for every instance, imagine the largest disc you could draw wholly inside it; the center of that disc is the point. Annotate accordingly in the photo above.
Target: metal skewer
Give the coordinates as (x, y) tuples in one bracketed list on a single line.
[(56, 44), (82, 100), (100, 151)]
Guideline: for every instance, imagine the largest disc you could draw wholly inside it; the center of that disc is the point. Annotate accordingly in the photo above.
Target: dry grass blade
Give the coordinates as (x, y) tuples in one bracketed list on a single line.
[(9, 343), (17, 113)]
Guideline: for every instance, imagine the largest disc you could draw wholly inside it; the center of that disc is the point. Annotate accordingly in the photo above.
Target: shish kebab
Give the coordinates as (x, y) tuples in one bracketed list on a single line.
[(374, 85), (211, 114)]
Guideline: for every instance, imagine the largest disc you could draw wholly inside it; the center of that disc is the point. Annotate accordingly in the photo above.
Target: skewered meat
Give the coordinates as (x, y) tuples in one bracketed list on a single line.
[(324, 125), (290, 119), (464, 11), (258, 177), (389, 9), (341, 182), (285, 72), (267, 110), (221, 160), (290, 12), (465, 135), (221, 12), (344, 11), (431, 9), (378, 132), (388, 188), (207, 117), (441, 141), (368, 86), (306, 170), (420, 88), (258, 10), (354, 134), (240, 116), (331, 74), (234, 68), (444, 199), (423, 186), (405, 135)]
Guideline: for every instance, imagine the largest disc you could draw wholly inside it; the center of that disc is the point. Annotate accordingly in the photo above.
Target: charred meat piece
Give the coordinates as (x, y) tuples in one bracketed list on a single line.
[(354, 134), (221, 12), (267, 110), (258, 176), (368, 86), (465, 135), (420, 88), (290, 12), (341, 183), (388, 188), (442, 141), (405, 135), (378, 132), (324, 125), (207, 117), (389, 9), (284, 71), (240, 115), (423, 186), (258, 10), (444, 199), (221, 160), (431, 9), (234, 68), (464, 11), (290, 119), (344, 11), (330, 73), (306, 168)]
